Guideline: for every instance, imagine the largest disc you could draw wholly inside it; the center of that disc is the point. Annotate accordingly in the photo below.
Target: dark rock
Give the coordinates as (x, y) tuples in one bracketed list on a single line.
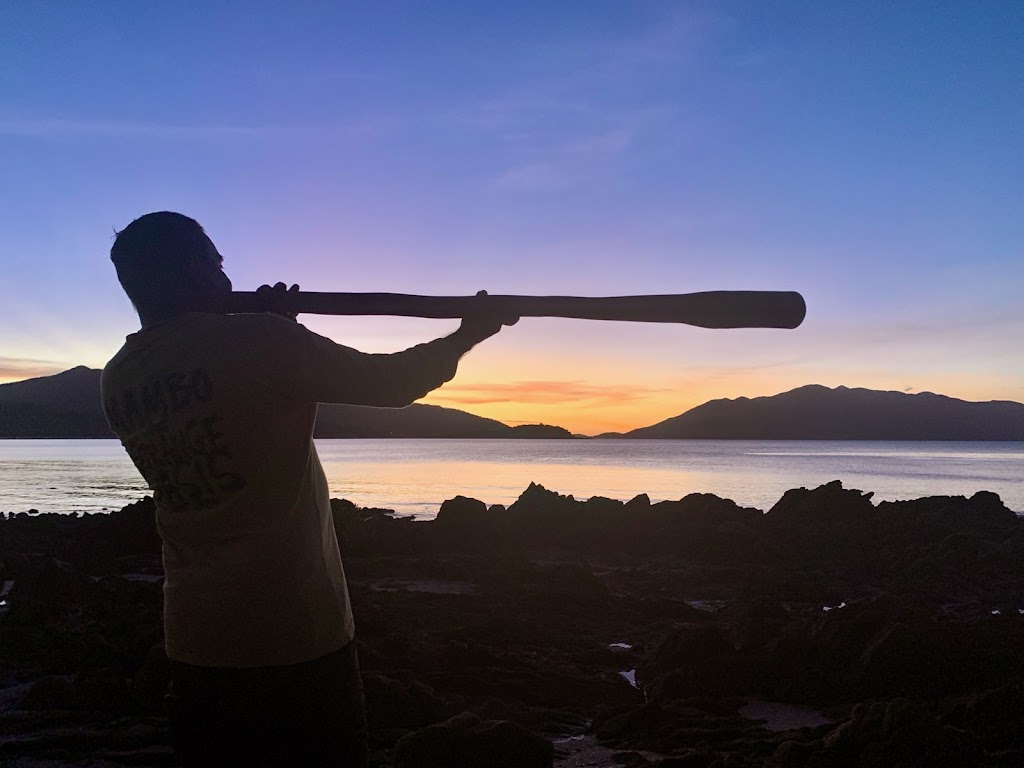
[(461, 511), (53, 585), (630, 759), (994, 717), (752, 624), (96, 690), (51, 693), (138, 736), (391, 703), (701, 757), (132, 529), (826, 505), (537, 590), (791, 754), (102, 690), (465, 741), (540, 514), (640, 501), (151, 680), (694, 660), (898, 732)]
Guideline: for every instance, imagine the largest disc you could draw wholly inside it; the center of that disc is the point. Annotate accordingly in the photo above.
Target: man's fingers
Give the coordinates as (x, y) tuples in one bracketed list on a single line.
[(275, 294), (488, 312)]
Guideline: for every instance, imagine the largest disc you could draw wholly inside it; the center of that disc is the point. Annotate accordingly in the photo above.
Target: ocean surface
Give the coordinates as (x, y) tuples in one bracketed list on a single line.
[(415, 476)]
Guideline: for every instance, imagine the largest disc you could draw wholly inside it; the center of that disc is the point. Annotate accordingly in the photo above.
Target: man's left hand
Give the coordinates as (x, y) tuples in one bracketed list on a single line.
[(276, 296)]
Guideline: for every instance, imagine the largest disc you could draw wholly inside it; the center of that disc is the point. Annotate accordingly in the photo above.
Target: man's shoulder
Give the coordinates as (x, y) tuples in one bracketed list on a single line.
[(197, 331), (253, 320), (215, 326)]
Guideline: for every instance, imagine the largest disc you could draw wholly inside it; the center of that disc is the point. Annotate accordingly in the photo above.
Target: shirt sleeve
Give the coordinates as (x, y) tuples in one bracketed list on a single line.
[(301, 365)]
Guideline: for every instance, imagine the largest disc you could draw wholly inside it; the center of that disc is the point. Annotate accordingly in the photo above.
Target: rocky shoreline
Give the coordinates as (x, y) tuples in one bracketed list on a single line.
[(830, 631)]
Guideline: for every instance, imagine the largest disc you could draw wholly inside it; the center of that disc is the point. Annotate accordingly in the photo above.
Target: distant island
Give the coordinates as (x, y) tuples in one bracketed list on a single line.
[(67, 405)]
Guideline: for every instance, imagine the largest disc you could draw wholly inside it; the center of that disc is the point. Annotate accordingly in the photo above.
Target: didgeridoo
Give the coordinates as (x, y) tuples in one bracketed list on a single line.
[(710, 309)]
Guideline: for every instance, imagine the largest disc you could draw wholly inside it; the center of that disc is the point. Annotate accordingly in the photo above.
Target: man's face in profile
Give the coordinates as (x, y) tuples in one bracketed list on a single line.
[(210, 269)]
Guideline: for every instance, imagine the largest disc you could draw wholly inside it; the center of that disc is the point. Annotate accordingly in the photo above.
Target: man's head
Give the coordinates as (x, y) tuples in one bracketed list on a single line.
[(164, 260)]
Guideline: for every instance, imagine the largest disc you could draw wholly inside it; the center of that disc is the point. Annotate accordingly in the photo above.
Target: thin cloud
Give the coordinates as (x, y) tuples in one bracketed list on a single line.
[(965, 334), (545, 392), (560, 130), (681, 37), (18, 368), (530, 176), (526, 115), (573, 161), (65, 128)]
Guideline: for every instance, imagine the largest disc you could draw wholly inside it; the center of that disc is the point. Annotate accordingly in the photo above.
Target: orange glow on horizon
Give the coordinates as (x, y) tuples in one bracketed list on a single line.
[(591, 409), (12, 373), (593, 395)]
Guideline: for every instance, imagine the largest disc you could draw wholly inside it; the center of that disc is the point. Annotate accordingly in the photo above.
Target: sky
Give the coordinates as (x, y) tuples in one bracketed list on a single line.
[(869, 155)]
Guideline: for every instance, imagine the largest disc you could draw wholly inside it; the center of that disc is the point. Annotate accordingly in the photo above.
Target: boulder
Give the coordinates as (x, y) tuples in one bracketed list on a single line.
[(151, 680), (51, 693), (466, 741), (392, 703), (694, 660), (461, 511), (52, 584), (824, 506), (897, 732)]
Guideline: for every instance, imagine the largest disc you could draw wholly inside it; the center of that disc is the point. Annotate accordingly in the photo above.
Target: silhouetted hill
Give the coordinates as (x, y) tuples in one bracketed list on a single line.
[(819, 413), (64, 405), (418, 420), (68, 405), (541, 431)]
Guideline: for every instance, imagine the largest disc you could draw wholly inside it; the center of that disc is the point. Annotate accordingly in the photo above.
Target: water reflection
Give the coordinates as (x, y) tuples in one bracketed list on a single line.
[(415, 476)]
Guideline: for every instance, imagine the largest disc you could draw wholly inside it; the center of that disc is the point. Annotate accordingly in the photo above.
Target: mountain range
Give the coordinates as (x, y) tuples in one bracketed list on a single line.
[(815, 412), (68, 405)]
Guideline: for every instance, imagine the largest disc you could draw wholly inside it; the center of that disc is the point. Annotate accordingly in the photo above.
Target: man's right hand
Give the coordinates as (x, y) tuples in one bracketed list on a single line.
[(483, 322)]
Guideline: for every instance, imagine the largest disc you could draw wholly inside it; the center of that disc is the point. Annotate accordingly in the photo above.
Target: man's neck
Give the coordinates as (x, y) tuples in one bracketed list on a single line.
[(155, 316), (153, 319)]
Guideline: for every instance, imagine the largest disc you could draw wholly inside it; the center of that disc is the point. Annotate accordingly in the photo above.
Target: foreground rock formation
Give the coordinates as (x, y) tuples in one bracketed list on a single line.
[(828, 632)]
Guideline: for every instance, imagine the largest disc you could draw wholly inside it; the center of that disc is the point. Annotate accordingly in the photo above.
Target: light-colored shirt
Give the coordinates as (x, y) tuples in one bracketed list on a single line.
[(217, 413)]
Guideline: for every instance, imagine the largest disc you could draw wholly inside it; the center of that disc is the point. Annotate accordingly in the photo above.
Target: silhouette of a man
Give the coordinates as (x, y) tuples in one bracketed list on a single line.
[(217, 413)]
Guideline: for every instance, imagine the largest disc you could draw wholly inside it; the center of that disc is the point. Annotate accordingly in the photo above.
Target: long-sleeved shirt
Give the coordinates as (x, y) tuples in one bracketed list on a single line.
[(217, 413)]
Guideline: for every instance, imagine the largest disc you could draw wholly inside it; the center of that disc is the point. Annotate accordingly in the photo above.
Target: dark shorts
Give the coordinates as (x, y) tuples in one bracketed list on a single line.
[(309, 714)]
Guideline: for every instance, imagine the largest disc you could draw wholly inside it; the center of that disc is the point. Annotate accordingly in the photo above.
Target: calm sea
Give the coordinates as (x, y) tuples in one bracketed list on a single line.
[(415, 476)]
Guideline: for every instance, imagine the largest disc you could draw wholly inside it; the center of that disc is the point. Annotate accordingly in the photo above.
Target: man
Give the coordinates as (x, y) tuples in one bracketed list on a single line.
[(217, 413)]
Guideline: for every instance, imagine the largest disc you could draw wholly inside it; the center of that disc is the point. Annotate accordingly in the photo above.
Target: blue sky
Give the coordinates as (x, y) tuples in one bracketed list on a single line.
[(866, 154)]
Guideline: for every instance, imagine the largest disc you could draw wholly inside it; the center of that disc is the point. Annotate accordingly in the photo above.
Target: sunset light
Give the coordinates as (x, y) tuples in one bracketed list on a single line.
[(533, 384)]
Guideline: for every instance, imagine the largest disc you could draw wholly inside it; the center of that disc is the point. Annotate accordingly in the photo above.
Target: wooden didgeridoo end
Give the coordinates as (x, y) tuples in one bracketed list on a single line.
[(709, 309)]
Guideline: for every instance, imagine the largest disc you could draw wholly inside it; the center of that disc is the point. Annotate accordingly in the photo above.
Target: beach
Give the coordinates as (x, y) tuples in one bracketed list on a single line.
[(833, 630)]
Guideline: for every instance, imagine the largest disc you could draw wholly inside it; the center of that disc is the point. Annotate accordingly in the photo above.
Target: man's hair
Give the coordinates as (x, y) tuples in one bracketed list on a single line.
[(156, 257)]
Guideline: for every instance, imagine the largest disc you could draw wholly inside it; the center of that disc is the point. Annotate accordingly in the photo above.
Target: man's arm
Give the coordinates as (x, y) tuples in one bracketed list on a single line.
[(311, 367)]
